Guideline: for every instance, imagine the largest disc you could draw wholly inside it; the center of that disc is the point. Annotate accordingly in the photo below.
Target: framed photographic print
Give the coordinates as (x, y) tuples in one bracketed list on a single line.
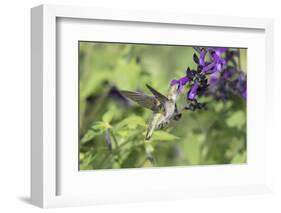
[(201, 125), (130, 106)]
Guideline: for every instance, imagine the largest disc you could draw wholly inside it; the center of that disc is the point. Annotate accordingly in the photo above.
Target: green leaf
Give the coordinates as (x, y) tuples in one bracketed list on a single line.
[(239, 158), (219, 106), (86, 161), (126, 75), (94, 84), (148, 148), (107, 117), (163, 136), (135, 121), (191, 148), (81, 156), (237, 119), (97, 128), (123, 133), (131, 122)]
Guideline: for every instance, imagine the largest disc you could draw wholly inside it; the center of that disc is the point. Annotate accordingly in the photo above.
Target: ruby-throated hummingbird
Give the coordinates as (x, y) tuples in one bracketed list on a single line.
[(164, 107)]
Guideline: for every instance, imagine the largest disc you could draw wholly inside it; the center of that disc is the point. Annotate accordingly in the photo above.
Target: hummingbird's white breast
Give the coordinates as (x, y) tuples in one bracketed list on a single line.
[(170, 109), (169, 112)]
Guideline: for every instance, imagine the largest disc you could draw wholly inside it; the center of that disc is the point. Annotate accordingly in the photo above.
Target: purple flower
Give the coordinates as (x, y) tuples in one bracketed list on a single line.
[(217, 61), (181, 82), (228, 83), (193, 91), (215, 75)]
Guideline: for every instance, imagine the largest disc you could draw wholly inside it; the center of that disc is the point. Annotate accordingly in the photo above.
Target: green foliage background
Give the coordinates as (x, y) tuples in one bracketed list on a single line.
[(213, 136)]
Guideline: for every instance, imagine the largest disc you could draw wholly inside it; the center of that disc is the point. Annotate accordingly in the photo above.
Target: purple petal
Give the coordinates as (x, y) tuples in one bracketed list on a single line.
[(213, 79), (211, 49), (173, 82), (244, 93), (184, 80), (193, 91), (220, 50), (181, 82), (202, 58), (219, 62), (241, 77), (218, 66), (227, 74), (208, 67), (216, 58)]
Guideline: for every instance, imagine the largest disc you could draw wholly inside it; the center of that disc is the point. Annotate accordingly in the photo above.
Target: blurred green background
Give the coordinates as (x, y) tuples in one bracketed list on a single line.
[(112, 129)]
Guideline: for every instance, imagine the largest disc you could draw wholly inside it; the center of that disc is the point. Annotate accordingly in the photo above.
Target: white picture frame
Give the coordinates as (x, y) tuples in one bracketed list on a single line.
[(50, 188)]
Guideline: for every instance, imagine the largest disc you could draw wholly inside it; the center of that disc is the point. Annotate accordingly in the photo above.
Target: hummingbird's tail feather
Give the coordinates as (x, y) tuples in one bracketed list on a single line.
[(148, 136), (155, 119), (149, 132)]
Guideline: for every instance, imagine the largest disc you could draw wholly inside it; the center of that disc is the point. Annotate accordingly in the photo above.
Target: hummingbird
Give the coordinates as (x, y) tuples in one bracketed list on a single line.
[(164, 107)]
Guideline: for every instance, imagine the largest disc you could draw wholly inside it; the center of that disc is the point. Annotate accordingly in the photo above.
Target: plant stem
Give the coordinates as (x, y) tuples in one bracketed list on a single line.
[(116, 150)]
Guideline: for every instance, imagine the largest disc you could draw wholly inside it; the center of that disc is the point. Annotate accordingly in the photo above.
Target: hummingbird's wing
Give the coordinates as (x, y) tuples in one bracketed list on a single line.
[(162, 98), (146, 101)]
